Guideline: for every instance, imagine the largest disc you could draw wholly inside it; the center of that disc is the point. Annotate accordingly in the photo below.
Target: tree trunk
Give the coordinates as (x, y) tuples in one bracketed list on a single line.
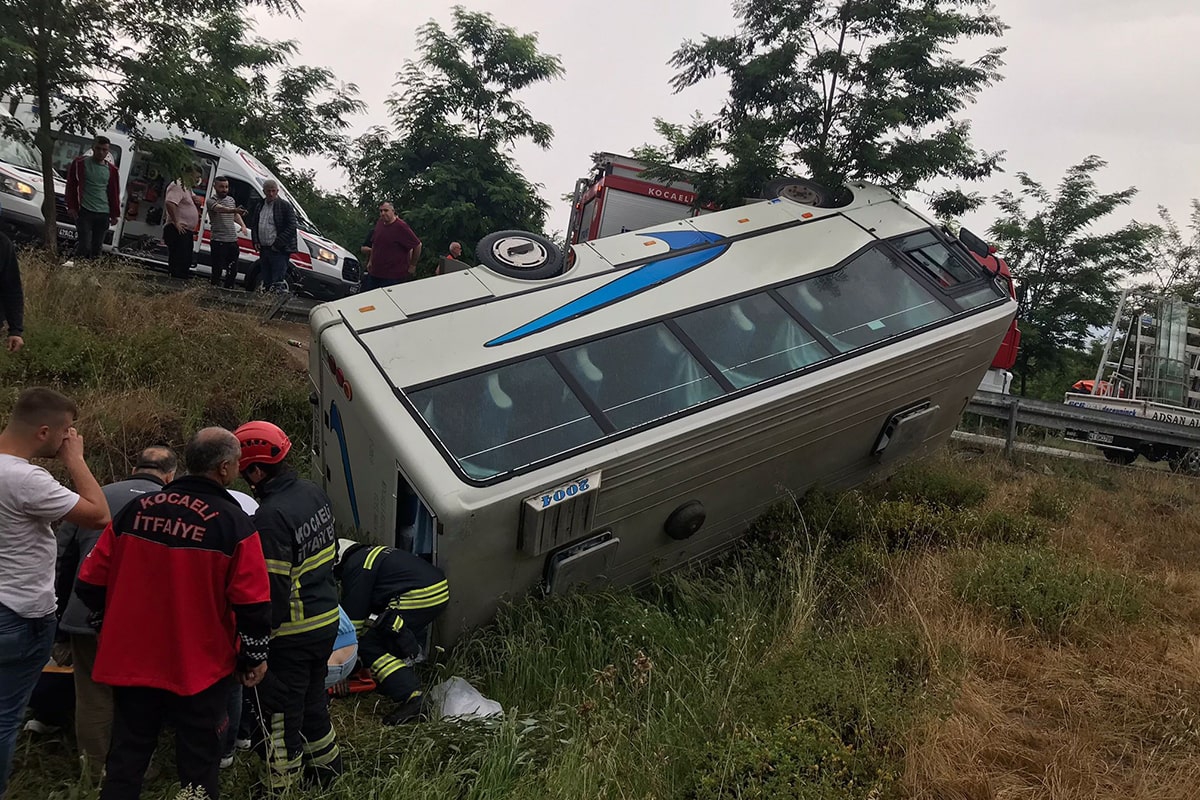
[(46, 146)]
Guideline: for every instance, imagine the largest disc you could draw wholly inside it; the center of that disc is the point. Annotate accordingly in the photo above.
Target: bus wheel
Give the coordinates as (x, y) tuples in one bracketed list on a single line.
[(798, 190), (1185, 461), (1122, 457), (519, 254)]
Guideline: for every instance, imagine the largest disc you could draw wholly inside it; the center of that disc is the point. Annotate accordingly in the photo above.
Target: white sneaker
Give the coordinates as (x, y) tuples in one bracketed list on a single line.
[(227, 761), (37, 726), (241, 744), (68, 263)]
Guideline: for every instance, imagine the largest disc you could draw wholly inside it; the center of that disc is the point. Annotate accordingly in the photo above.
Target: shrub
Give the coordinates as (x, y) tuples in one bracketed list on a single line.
[(804, 760), (1057, 597), (866, 684), (935, 485), (1045, 502)]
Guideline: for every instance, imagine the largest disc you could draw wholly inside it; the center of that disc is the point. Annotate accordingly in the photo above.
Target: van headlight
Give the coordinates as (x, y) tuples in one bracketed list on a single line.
[(322, 253), (10, 185)]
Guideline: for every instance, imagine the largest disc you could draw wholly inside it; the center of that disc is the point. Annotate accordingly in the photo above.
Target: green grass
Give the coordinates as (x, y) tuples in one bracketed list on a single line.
[(148, 368), (1052, 595), (769, 673)]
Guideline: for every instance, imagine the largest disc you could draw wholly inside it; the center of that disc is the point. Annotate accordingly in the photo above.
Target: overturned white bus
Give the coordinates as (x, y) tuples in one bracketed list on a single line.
[(638, 409)]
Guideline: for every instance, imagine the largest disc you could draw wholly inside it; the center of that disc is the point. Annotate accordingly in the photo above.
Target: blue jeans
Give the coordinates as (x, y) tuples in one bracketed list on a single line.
[(24, 649), (370, 282), (233, 710), (274, 266)]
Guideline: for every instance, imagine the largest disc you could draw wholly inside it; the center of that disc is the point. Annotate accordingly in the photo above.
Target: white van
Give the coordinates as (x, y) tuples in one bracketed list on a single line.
[(322, 268), (21, 189)]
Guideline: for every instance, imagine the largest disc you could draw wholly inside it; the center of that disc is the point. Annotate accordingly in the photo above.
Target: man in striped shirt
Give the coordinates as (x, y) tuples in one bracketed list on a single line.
[(225, 217)]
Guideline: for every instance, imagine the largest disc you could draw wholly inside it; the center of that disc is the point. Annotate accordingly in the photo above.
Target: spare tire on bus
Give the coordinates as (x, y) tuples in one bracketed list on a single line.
[(798, 190), (520, 254)]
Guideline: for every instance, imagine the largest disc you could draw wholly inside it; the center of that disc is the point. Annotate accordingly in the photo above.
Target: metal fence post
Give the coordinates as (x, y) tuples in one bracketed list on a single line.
[(1012, 428)]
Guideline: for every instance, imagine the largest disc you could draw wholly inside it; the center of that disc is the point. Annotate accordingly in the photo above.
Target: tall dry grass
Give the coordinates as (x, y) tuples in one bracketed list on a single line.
[(1112, 715), (833, 657), (147, 365)]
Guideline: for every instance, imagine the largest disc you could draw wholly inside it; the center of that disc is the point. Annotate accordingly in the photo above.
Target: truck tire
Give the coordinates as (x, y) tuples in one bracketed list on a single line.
[(520, 254), (1122, 457), (1185, 461), (798, 190)]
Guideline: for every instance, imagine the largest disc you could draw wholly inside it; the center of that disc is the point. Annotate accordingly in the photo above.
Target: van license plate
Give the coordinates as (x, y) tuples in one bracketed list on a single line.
[(561, 494), (66, 233)]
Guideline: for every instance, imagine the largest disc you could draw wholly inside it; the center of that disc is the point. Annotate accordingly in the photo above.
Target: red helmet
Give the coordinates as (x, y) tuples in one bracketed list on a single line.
[(262, 443)]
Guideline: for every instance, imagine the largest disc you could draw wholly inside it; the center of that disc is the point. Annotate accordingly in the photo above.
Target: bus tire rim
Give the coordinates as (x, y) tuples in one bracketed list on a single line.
[(798, 193), (519, 252)]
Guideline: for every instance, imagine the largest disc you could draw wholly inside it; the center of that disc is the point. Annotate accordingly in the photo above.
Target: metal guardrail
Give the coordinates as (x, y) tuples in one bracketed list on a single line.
[(1059, 416)]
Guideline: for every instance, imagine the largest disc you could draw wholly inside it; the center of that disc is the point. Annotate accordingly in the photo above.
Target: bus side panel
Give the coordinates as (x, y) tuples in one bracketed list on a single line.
[(741, 466), (359, 468), (815, 432)]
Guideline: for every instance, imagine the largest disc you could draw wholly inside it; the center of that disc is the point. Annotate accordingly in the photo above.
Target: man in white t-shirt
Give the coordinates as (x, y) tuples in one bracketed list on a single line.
[(41, 426)]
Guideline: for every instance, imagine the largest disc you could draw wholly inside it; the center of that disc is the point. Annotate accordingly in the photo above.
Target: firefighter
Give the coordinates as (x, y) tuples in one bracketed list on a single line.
[(289, 714), (391, 596)]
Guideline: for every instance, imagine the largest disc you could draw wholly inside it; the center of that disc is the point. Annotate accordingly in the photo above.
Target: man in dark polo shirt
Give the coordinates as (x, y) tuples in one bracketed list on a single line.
[(392, 249)]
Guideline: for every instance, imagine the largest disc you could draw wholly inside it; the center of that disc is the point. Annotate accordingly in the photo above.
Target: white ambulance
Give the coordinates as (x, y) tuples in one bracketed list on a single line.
[(322, 268)]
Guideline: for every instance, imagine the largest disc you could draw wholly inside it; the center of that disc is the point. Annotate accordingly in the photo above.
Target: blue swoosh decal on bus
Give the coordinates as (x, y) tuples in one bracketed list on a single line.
[(629, 284), (335, 422)]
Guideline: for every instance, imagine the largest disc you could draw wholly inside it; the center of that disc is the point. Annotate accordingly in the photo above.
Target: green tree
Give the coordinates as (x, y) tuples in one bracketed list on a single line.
[(835, 90), (1174, 257), (89, 64), (335, 214), (1069, 274), (447, 166)]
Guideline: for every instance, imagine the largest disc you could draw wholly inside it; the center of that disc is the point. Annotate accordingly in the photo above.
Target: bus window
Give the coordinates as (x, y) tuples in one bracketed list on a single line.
[(870, 299), (640, 375), (982, 296), (943, 265), (497, 421), (751, 340)]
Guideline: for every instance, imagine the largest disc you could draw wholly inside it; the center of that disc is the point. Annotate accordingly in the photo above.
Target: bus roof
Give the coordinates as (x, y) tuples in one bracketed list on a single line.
[(417, 339)]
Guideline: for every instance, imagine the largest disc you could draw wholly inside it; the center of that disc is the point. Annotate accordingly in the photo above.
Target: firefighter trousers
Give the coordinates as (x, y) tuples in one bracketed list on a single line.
[(288, 714), (389, 652), (139, 713)]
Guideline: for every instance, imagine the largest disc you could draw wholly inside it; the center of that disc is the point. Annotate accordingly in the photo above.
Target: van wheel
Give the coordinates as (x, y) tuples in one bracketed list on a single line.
[(798, 190), (519, 254)]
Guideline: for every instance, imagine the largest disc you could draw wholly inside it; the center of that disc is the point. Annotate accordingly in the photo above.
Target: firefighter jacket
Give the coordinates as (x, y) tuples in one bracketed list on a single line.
[(377, 578), (295, 521), (179, 578)]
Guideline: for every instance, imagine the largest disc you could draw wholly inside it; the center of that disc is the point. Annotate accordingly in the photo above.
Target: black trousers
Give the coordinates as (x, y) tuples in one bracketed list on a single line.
[(224, 262), (288, 714), (90, 227), (179, 252), (139, 713), (389, 653)]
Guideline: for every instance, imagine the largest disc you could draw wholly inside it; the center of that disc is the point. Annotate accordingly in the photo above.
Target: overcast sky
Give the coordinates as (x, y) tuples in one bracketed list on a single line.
[(1117, 79)]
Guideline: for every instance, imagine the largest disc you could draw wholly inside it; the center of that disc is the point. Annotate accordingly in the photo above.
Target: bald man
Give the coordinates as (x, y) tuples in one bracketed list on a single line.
[(178, 583), (154, 468)]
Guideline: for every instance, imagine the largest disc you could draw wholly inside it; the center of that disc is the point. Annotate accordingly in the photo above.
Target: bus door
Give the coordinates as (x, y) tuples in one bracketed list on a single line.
[(416, 527)]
